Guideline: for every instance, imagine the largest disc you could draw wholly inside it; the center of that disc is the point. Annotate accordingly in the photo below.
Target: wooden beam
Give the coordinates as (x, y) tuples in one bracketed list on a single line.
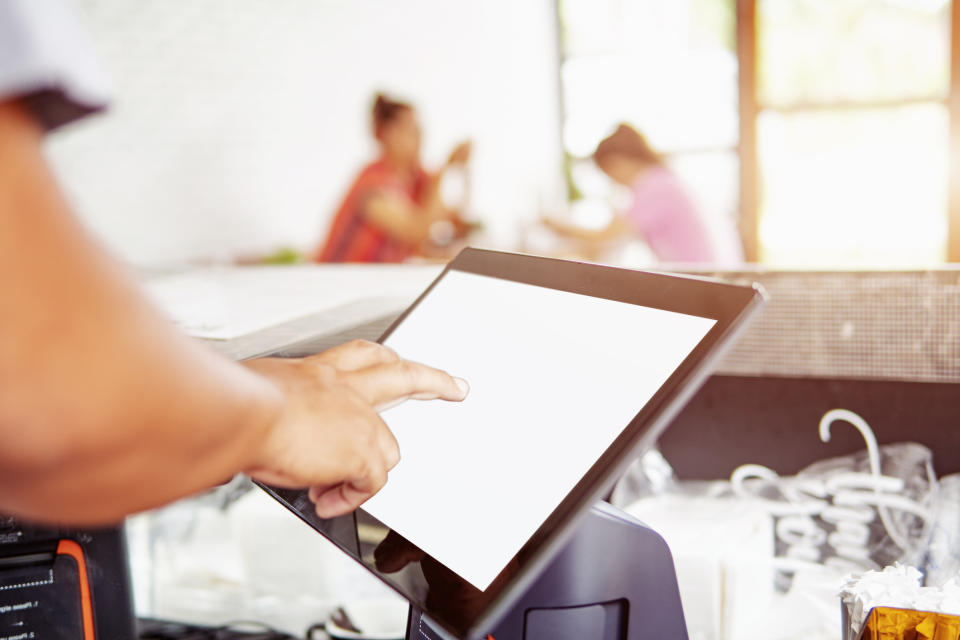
[(953, 221), (749, 170)]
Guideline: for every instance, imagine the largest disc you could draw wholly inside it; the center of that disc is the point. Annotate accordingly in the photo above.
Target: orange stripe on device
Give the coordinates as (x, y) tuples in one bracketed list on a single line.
[(72, 549)]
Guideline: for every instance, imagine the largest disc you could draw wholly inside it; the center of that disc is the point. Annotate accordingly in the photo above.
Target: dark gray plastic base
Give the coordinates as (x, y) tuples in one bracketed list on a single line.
[(614, 580)]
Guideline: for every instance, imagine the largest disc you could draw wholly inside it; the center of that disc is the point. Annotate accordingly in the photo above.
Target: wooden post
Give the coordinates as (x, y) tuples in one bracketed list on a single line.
[(749, 169), (953, 221)]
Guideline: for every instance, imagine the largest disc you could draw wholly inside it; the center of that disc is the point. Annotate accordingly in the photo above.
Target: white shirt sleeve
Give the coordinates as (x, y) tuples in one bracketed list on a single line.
[(48, 62)]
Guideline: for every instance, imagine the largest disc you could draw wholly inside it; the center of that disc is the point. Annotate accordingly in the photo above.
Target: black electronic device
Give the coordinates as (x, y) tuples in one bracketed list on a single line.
[(614, 580), (64, 583), (574, 369)]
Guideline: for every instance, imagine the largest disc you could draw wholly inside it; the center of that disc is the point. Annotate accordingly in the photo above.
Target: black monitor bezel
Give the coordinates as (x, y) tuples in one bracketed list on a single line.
[(730, 305)]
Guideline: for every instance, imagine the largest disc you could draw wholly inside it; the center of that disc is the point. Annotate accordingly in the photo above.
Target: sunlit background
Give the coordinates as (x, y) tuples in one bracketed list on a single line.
[(847, 98), (818, 129)]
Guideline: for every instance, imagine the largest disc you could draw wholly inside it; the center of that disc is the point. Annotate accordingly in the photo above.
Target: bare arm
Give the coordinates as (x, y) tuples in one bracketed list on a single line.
[(105, 409), (617, 228), (401, 218), (409, 221)]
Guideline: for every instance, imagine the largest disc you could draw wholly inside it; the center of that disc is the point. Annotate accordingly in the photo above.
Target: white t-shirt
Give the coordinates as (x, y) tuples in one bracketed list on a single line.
[(48, 62)]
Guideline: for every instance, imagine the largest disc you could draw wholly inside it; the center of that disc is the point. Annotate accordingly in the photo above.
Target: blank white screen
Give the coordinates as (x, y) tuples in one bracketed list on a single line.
[(554, 378)]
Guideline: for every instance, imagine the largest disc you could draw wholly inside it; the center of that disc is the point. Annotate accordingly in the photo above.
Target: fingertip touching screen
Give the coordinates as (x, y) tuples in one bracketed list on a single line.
[(545, 402), (573, 369)]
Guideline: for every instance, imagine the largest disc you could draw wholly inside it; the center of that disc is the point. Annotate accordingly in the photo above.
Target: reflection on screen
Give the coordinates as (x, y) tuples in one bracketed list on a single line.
[(554, 379)]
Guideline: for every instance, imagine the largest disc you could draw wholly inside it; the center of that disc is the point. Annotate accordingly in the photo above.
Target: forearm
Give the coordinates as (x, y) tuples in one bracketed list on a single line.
[(615, 229), (433, 208), (94, 443), (403, 220), (105, 408)]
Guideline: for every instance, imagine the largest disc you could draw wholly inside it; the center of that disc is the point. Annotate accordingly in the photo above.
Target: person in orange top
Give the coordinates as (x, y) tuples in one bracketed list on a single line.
[(394, 205)]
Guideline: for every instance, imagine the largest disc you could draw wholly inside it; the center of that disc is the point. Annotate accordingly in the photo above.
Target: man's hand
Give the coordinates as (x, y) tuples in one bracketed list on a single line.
[(106, 409), (329, 436)]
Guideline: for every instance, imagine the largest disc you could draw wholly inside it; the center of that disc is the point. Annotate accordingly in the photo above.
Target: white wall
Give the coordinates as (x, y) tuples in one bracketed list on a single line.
[(237, 124)]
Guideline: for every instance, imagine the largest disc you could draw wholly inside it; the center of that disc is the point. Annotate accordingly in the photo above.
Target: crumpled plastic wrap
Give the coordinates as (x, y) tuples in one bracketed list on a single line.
[(901, 533), (649, 475), (763, 548), (943, 552), (852, 513)]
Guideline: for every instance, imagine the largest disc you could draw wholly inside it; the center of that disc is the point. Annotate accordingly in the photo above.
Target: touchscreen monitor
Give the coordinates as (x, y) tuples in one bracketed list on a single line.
[(573, 370)]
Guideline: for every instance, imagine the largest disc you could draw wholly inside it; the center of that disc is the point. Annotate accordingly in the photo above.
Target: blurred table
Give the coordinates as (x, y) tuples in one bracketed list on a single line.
[(249, 311)]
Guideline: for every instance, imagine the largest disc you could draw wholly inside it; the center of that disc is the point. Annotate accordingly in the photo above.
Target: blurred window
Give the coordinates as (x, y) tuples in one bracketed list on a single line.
[(852, 121), (815, 51), (853, 132)]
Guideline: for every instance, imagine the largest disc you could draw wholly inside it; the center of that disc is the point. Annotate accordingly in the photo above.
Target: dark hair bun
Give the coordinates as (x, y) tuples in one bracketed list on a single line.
[(385, 110), (627, 141)]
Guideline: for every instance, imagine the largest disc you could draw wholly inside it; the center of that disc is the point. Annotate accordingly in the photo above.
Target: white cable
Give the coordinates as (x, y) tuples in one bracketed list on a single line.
[(883, 500), (849, 501), (859, 480), (836, 515), (873, 454), (798, 505), (747, 471)]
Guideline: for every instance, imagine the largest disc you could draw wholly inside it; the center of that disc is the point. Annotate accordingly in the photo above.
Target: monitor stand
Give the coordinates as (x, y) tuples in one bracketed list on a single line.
[(614, 580)]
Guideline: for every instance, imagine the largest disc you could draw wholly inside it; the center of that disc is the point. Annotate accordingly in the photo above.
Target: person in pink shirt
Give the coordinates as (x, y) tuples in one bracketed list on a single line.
[(660, 212)]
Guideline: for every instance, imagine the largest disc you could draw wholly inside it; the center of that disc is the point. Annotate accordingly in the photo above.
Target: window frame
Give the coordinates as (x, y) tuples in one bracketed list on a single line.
[(750, 109)]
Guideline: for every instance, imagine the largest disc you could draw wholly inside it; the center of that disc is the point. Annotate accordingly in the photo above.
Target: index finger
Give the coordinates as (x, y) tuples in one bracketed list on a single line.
[(356, 354), (387, 384)]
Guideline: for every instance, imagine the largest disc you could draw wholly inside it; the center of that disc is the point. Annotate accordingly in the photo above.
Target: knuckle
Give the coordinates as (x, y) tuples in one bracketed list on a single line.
[(361, 344), (408, 371), (393, 456), (361, 467), (365, 436), (378, 478), (390, 354), (390, 448)]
